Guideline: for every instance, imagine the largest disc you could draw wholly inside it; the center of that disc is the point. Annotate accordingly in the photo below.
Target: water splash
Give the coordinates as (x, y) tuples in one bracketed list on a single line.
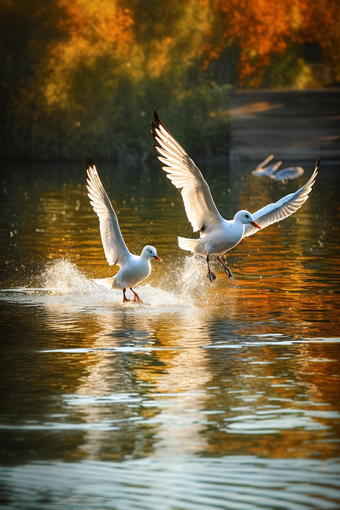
[(62, 283), (63, 277), (192, 279)]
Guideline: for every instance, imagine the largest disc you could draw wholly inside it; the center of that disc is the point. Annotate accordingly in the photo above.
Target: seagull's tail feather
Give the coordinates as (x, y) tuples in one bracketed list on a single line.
[(105, 282), (188, 244)]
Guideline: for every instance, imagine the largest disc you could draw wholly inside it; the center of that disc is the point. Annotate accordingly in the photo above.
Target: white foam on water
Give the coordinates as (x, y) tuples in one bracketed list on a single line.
[(63, 283), (63, 277), (192, 279)]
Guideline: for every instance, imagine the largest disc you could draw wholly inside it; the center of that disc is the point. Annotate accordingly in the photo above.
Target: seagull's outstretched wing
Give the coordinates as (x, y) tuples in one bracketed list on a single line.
[(265, 162), (283, 208), (184, 174), (291, 172), (114, 246)]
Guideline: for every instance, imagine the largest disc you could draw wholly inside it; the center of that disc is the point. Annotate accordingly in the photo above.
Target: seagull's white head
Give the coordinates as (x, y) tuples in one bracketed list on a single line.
[(245, 217), (149, 252)]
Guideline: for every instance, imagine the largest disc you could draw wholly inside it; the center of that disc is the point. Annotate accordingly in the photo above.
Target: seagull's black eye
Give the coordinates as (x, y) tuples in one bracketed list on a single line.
[(150, 251), (247, 215)]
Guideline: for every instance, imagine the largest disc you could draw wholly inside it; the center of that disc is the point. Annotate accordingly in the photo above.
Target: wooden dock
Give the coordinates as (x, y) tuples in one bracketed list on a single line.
[(291, 124)]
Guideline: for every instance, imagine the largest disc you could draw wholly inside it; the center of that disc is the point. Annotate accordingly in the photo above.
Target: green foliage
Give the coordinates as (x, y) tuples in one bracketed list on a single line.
[(117, 124), (200, 120), (288, 70)]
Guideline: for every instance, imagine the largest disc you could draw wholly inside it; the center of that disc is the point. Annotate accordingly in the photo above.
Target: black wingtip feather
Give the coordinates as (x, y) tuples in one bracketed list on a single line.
[(317, 163), (154, 130), (157, 119), (160, 123), (89, 162)]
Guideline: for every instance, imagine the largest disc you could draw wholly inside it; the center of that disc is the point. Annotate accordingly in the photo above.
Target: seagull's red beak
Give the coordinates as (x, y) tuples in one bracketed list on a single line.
[(158, 258), (255, 224)]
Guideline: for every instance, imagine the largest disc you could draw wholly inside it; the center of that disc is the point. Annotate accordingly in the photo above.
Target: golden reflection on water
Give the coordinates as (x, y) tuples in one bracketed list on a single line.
[(199, 368), (192, 386)]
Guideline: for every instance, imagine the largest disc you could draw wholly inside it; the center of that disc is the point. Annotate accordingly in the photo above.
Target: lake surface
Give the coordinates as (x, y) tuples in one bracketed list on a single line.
[(222, 395)]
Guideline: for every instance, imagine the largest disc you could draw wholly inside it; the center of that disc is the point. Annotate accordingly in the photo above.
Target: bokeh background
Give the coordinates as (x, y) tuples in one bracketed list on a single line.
[(84, 76)]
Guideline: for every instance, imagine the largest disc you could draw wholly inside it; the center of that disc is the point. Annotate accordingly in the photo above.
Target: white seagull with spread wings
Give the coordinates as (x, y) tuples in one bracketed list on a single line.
[(133, 268), (218, 235)]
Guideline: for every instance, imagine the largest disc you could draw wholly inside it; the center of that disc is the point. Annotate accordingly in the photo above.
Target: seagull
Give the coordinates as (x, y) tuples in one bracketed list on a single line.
[(133, 268), (217, 235), (265, 171), (291, 172)]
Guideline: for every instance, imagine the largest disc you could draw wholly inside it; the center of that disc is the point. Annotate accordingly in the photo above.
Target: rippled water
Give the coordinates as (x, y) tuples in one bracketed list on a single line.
[(222, 395)]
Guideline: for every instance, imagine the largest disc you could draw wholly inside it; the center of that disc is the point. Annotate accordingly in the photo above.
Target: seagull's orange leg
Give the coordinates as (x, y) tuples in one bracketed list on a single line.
[(136, 298), (225, 267)]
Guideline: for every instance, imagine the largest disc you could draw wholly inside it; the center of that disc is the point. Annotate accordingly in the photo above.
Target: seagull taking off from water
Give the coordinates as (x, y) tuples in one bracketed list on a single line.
[(133, 268), (218, 235)]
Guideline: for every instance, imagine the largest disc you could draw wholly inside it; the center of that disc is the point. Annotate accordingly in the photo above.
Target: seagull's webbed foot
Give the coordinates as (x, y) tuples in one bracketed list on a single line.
[(211, 275), (136, 298), (225, 267)]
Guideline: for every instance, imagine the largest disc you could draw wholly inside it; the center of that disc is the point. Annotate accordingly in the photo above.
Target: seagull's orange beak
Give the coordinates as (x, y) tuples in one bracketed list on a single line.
[(255, 224), (158, 258)]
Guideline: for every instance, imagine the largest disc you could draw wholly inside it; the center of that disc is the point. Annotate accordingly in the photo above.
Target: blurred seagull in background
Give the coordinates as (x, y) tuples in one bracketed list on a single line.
[(133, 268), (218, 235), (265, 170), (291, 172)]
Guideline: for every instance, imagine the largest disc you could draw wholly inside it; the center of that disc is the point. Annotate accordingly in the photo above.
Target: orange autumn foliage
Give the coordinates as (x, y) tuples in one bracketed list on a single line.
[(107, 19), (83, 67), (321, 23), (261, 28), (258, 28)]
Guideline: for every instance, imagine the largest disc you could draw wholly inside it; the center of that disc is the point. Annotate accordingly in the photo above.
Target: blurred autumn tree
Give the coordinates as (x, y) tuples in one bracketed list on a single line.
[(274, 34), (84, 76)]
